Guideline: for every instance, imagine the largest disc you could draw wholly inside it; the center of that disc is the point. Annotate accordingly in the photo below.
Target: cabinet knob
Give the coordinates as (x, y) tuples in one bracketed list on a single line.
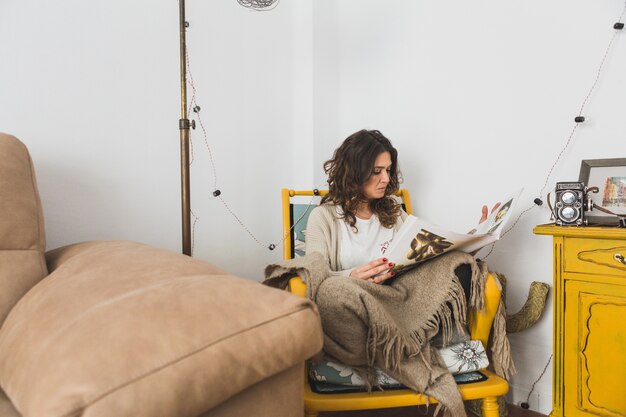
[(619, 258)]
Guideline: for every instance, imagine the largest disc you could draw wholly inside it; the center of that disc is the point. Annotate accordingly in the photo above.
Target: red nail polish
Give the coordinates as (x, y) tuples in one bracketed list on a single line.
[(384, 259), (392, 273), (390, 264)]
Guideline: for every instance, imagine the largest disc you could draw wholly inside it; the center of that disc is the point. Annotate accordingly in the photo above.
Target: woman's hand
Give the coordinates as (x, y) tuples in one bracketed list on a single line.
[(375, 271), (485, 212)]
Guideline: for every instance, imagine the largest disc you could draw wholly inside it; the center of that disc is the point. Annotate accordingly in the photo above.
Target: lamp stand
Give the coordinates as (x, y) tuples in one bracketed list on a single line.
[(184, 126)]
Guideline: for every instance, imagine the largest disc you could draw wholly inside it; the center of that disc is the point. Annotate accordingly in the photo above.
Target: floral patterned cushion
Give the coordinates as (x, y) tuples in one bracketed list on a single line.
[(459, 358), (336, 373), (465, 357), (328, 388)]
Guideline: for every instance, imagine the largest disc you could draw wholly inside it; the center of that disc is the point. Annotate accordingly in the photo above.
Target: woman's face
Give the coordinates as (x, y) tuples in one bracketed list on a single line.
[(377, 183)]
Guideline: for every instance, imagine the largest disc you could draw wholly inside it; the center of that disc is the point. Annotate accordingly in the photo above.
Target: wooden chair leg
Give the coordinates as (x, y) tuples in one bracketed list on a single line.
[(490, 407)]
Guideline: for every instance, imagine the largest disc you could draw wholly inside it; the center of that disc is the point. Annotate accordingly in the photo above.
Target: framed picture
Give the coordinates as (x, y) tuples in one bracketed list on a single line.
[(609, 175)]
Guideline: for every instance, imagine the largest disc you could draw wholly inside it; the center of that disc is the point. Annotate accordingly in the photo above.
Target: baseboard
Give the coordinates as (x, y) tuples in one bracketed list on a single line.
[(540, 402)]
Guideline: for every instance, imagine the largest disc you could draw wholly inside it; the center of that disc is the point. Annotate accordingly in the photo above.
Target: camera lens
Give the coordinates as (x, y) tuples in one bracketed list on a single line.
[(568, 213), (568, 197)]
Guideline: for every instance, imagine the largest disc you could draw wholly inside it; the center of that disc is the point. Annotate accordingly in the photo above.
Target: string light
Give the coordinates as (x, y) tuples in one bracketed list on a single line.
[(264, 5), (526, 405), (578, 120), (257, 5), (217, 193)]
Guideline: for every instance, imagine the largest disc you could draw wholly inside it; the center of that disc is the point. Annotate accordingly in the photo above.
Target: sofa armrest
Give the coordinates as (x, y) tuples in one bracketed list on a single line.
[(124, 329), (22, 232)]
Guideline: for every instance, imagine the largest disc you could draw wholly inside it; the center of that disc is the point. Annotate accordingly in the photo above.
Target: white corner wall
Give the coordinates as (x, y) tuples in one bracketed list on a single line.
[(479, 98), (93, 89)]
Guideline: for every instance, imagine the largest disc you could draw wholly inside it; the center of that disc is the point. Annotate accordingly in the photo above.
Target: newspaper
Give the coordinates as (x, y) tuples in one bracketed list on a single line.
[(418, 240)]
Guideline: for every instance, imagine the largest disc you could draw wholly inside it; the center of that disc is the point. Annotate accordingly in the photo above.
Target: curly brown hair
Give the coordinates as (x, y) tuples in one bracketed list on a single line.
[(349, 170)]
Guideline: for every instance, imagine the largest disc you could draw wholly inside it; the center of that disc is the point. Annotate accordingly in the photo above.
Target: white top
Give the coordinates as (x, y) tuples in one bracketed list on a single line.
[(369, 242), (323, 235)]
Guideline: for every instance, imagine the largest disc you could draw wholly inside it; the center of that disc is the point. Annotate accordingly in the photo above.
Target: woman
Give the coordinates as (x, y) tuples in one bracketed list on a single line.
[(359, 217)]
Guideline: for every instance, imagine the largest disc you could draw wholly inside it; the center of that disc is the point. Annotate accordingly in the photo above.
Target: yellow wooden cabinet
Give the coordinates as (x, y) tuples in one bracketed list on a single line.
[(589, 369)]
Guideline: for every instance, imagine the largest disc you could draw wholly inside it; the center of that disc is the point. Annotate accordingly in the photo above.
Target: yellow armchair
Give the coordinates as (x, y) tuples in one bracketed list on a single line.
[(480, 323)]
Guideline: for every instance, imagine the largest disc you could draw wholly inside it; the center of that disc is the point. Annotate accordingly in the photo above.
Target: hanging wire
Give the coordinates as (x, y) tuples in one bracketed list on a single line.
[(493, 245), (194, 105), (193, 228), (264, 5), (532, 388), (272, 245), (582, 107), (194, 108), (571, 135)]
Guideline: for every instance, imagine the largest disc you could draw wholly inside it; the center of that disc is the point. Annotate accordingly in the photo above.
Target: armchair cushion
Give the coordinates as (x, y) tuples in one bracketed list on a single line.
[(459, 358), (22, 237), (123, 329)]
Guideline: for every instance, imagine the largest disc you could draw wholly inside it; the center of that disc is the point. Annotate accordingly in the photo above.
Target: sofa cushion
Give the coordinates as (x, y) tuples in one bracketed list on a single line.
[(22, 237), (123, 329)]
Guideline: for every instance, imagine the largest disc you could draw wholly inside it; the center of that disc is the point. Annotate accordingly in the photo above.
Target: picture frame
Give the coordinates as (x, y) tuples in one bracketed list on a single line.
[(609, 175)]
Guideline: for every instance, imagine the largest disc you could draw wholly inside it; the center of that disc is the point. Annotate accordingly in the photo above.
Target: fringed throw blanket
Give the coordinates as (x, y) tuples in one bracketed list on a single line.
[(369, 325)]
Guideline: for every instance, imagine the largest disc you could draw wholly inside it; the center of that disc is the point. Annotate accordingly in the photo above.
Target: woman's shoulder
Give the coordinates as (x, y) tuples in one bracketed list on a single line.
[(322, 218), (326, 210), (325, 215)]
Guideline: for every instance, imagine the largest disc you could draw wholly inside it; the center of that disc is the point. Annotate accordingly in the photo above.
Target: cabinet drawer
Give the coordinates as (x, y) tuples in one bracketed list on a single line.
[(595, 256)]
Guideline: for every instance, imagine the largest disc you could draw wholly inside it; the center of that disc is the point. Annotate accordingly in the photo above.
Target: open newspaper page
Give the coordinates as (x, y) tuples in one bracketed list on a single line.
[(418, 240)]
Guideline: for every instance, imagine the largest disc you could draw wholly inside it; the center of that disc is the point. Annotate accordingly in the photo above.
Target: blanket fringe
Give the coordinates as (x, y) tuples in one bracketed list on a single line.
[(450, 314), (384, 342), (477, 296), (500, 348)]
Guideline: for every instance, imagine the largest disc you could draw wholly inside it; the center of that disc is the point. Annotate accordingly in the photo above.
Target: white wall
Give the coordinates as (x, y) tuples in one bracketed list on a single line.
[(479, 98), (93, 89)]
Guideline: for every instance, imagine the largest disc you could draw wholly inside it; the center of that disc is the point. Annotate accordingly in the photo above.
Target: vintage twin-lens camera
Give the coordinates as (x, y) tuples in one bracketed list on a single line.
[(571, 203)]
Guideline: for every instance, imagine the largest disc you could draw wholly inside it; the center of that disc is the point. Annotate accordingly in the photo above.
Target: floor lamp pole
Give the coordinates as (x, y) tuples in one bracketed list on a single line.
[(184, 126)]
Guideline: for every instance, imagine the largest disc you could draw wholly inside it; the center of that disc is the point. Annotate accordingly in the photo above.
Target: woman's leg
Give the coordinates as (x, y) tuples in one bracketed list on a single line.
[(464, 274)]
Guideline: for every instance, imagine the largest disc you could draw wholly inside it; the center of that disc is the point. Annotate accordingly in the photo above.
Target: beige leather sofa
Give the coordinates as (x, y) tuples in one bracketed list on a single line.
[(115, 328)]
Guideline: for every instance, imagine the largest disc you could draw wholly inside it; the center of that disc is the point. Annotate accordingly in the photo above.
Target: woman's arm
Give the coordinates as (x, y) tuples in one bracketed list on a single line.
[(321, 237)]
